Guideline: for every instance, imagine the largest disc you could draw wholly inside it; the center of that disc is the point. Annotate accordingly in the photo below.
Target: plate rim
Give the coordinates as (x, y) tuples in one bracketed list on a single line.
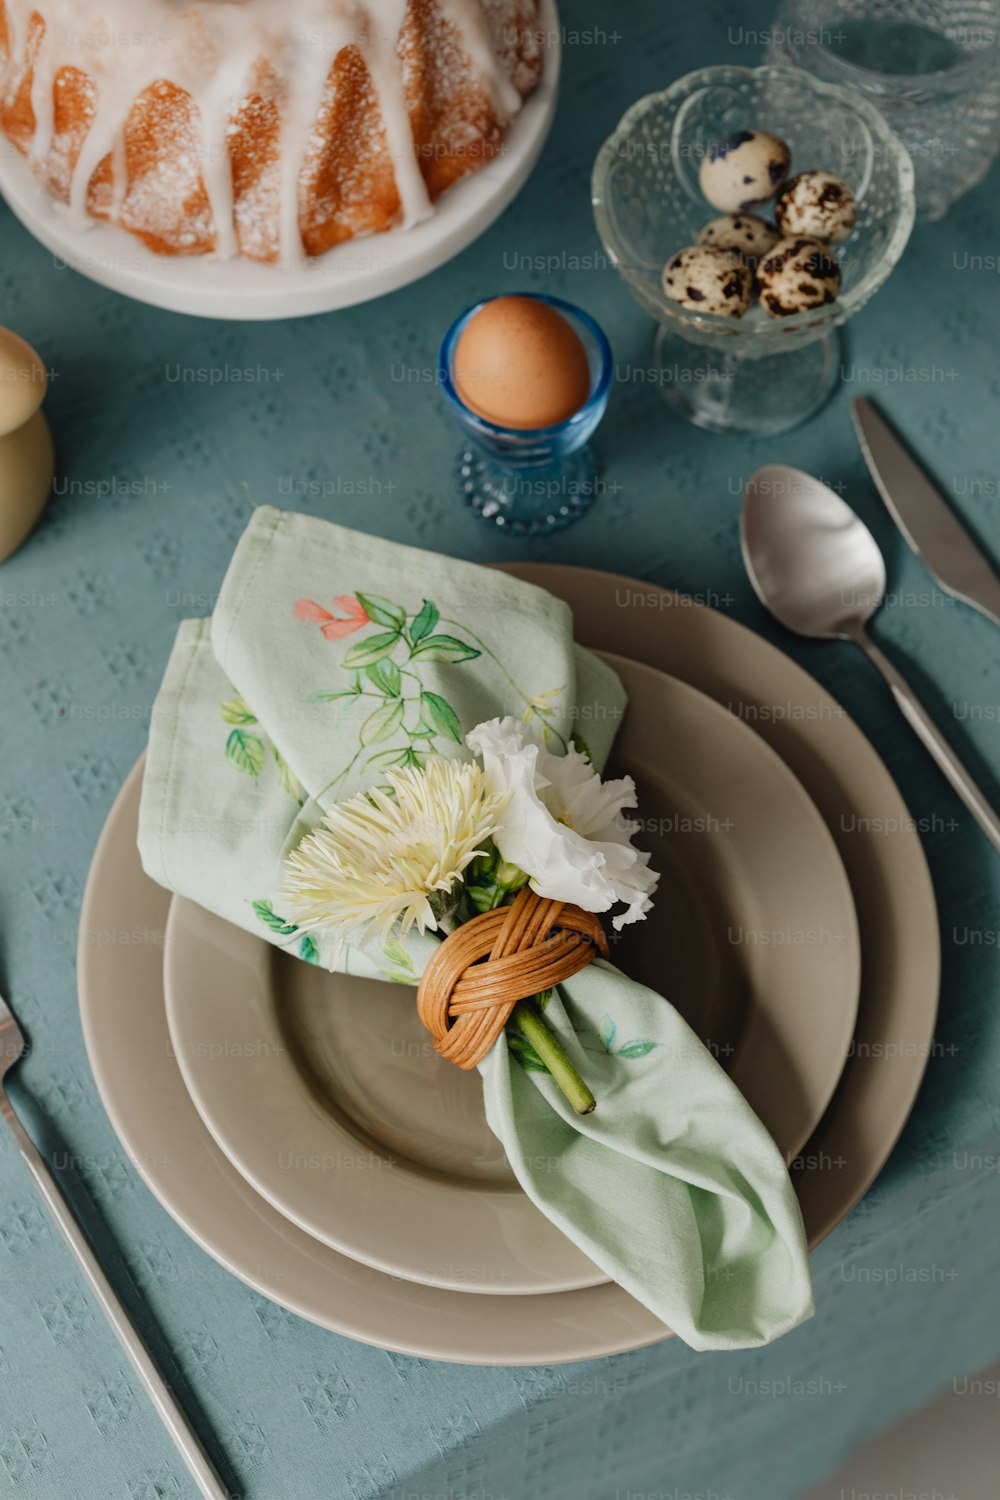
[(194, 1043)]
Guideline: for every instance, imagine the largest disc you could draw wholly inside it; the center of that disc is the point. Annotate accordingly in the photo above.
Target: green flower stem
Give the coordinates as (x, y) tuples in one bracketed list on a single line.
[(534, 1030)]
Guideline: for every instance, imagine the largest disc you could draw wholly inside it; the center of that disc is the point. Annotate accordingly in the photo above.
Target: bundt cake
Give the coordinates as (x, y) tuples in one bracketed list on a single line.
[(272, 129)]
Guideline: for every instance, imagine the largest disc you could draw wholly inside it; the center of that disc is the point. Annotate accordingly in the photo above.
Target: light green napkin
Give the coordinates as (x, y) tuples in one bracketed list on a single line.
[(332, 655)]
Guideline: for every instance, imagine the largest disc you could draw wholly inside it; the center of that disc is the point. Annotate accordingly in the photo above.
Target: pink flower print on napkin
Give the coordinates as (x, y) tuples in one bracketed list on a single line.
[(333, 628)]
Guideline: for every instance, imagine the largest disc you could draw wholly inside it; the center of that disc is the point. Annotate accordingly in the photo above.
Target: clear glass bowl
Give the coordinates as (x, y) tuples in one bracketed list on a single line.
[(757, 373), (530, 481)]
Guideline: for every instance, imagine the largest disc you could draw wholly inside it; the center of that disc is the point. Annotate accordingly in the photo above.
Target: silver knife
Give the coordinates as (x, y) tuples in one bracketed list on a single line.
[(925, 517)]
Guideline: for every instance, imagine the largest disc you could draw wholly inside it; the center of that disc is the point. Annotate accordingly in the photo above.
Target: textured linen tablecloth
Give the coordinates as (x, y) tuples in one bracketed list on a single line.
[(163, 449)]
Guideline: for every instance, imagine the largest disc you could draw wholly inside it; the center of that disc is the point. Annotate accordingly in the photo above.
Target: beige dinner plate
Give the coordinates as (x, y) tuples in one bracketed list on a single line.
[(324, 1090), (124, 1016)]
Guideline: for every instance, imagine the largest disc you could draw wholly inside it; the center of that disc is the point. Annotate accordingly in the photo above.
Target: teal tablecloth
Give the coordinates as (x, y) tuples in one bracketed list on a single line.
[(158, 470)]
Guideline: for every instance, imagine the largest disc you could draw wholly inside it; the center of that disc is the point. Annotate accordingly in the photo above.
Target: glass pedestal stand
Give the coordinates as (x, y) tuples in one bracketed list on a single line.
[(729, 392)]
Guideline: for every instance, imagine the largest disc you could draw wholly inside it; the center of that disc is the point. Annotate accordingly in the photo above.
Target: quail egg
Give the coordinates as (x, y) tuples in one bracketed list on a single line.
[(749, 236), (743, 170), (816, 204), (797, 275), (707, 280)]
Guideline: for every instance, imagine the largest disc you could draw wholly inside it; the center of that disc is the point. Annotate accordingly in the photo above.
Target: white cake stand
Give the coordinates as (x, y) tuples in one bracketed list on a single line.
[(350, 273)]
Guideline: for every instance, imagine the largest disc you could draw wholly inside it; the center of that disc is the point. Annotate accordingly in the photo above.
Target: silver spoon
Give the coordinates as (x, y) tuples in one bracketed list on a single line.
[(815, 565)]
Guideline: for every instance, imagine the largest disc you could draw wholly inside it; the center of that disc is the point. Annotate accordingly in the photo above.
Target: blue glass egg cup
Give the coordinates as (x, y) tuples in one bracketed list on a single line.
[(529, 482)]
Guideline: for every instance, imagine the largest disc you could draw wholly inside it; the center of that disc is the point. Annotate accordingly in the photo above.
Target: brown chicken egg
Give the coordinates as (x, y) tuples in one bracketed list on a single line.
[(519, 363)]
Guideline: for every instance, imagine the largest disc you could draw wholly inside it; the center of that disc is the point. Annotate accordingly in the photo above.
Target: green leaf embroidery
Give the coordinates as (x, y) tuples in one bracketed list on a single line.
[(332, 697), (397, 955), (246, 751), (382, 611), (526, 1054), (289, 781), (439, 715), (308, 949), (237, 711), (382, 723), (375, 647), (386, 676), (581, 744), (264, 912), (425, 621), (386, 758), (637, 1048), (443, 648)]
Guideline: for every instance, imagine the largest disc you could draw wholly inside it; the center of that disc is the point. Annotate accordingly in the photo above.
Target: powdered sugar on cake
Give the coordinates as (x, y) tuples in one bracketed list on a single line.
[(268, 128)]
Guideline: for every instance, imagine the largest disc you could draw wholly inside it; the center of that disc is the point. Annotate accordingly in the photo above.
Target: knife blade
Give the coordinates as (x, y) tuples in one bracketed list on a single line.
[(926, 519)]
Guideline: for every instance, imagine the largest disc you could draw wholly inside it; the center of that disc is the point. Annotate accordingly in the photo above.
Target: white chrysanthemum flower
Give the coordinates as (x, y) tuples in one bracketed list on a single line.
[(562, 825), (378, 859)]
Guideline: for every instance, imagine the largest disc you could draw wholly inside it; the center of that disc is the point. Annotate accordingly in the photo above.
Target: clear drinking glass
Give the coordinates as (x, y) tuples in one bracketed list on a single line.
[(931, 66)]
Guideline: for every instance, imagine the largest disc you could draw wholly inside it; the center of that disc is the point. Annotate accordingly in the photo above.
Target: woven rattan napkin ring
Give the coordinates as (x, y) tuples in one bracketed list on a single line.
[(483, 968)]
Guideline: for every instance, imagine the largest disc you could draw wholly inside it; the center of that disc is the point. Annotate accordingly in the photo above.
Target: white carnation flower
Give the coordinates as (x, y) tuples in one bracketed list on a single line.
[(562, 825)]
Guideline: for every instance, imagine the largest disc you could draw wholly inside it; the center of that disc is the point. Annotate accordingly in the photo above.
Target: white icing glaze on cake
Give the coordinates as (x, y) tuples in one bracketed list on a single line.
[(214, 50)]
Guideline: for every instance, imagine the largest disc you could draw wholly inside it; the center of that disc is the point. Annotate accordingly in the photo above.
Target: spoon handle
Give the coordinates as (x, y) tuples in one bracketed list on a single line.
[(933, 740)]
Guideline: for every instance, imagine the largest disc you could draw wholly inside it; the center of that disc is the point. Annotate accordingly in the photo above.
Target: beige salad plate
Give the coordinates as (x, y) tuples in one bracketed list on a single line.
[(324, 1090)]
